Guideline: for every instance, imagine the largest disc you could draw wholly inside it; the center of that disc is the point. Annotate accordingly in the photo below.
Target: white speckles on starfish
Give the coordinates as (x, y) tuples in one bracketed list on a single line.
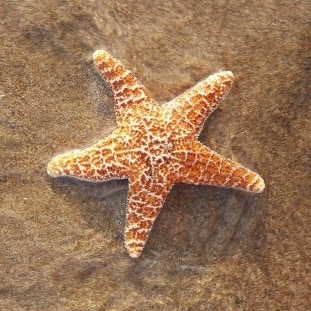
[(155, 147)]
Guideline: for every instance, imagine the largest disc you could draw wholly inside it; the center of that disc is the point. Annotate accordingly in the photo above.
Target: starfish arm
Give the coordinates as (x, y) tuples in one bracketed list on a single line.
[(99, 162), (203, 166), (145, 201), (195, 105), (127, 91)]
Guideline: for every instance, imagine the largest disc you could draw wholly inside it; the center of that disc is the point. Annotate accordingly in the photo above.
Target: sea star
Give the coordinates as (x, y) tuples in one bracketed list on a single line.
[(155, 146)]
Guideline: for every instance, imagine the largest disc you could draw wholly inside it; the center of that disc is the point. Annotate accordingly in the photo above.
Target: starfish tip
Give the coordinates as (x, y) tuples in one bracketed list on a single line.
[(100, 56), (225, 76), (134, 252), (52, 169), (260, 186)]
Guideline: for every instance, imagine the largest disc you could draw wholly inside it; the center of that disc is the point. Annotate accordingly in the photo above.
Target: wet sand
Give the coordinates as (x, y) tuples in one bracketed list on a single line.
[(61, 241)]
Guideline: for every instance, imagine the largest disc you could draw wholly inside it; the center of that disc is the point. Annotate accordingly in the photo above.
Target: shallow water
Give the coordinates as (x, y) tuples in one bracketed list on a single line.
[(61, 241)]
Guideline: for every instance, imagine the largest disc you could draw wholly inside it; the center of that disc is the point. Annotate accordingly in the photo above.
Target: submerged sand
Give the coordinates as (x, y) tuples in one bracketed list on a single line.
[(61, 241)]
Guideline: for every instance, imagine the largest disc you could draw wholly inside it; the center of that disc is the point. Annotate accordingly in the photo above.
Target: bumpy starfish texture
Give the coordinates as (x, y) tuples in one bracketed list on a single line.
[(155, 146)]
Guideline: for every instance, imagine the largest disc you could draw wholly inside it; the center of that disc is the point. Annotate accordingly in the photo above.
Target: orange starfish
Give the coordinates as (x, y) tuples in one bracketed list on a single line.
[(155, 146)]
